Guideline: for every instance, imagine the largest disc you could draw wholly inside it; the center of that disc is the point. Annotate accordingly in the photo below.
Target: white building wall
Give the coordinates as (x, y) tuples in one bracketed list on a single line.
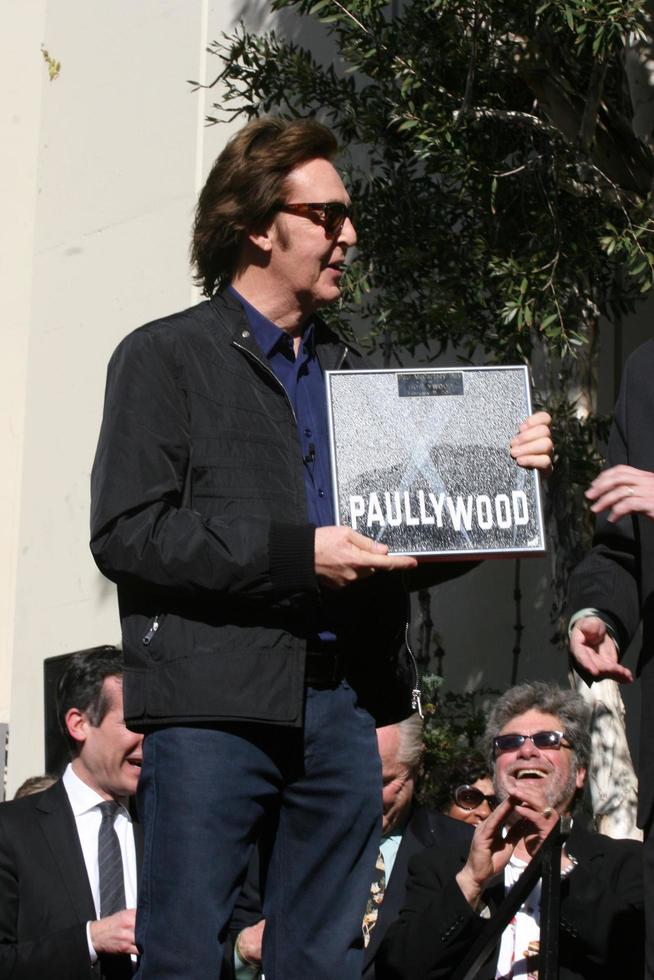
[(21, 74)]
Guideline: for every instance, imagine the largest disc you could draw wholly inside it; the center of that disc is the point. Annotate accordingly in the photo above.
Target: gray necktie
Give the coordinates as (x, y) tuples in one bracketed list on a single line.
[(110, 862)]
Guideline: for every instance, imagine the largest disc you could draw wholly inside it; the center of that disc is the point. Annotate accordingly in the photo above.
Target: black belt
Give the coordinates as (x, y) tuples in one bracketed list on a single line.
[(324, 666)]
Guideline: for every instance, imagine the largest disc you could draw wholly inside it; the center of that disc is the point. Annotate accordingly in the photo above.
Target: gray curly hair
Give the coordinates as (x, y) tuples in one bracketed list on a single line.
[(551, 699)]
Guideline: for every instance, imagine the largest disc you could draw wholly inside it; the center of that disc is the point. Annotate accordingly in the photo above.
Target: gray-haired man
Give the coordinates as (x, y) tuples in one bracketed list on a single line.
[(540, 748)]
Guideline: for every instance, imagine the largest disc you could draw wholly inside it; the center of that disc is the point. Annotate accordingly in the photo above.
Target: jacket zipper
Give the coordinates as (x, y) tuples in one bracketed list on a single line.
[(346, 351), (416, 693), (272, 374), (269, 371), (152, 630)]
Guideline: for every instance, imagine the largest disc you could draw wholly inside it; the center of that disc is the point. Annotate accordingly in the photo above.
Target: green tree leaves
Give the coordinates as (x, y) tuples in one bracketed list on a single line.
[(503, 199)]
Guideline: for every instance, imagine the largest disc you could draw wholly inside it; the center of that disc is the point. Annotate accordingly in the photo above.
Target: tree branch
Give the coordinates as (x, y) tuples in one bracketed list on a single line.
[(591, 107)]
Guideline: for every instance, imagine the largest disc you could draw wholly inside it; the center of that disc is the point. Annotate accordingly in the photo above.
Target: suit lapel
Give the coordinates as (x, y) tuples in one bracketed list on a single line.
[(57, 823)]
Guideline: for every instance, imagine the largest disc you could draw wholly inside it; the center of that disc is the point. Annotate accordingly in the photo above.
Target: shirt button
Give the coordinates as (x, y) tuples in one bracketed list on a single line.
[(308, 433), (321, 493)]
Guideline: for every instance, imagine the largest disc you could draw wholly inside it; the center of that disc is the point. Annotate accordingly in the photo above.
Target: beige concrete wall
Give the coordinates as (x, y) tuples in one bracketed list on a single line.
[(21, 86), (102, 185)]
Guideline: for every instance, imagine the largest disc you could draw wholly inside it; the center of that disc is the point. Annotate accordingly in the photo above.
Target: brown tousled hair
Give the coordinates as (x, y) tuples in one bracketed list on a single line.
[(245, 184)]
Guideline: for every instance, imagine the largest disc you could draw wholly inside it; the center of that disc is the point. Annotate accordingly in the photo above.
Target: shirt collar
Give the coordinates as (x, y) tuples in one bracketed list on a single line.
[(82, 798), (395, 837), (398, 831), (267, 334)]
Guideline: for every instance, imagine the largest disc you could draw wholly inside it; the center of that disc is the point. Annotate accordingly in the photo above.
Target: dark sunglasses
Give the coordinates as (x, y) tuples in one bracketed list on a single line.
[(542, 740), (469, 798), (330, 214)]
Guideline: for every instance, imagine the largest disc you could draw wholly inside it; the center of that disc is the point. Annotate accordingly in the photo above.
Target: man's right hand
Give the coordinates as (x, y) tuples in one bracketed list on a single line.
[(115, 933), (595, 651), (524, 818), (489, 854), (249, 941), (342, 556)]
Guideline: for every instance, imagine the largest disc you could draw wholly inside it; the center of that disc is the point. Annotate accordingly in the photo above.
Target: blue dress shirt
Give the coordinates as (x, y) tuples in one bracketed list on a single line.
[(304, 384)]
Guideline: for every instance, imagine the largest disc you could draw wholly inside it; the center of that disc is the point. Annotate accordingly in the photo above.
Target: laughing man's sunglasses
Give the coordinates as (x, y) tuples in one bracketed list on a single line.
[(542, 740), (330, 214), (469, 798)]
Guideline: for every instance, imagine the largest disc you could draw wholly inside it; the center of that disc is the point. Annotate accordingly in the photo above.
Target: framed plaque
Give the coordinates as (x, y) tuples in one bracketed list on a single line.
[(420, 460)]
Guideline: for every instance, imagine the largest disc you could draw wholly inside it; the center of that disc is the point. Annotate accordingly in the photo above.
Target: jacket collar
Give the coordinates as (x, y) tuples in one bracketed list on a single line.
[(330, 348)]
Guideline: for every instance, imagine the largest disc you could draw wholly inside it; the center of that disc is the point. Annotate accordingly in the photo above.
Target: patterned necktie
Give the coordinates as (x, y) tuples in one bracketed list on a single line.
[(110, 862), (376, 897)]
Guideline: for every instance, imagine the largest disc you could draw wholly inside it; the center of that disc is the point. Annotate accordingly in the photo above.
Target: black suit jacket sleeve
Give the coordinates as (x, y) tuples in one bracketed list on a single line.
[(39, 937), (436, 925)]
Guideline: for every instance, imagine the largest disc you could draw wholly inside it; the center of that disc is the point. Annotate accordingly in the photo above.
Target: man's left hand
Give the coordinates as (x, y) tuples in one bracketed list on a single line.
[(532, 447), (595, 651), (623, 490)]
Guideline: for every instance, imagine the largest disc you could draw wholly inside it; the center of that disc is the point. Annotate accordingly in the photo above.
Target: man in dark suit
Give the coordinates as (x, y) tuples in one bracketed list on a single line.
[(540, 745), (613, 587), (54, 887), (407, 829)]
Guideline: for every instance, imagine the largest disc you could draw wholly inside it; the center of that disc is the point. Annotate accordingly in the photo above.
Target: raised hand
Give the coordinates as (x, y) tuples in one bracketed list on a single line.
[(595, 651)]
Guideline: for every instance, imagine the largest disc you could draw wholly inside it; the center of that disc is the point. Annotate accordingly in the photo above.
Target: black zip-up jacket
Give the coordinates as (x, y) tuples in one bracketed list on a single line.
[(199, 516)]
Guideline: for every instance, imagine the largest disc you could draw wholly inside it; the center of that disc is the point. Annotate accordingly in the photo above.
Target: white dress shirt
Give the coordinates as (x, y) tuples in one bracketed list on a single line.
[(522, 930), (84, 804)]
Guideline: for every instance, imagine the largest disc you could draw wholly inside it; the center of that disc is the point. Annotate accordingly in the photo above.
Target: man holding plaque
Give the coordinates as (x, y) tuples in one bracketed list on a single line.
[(261, 641)]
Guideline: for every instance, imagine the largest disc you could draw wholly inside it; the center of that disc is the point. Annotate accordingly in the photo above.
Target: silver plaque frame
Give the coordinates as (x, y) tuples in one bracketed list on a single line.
[(420, 460)]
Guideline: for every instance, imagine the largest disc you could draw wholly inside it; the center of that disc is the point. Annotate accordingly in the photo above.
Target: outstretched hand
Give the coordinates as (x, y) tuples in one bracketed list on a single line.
[(594, 649), (623, 490), (532, 447)]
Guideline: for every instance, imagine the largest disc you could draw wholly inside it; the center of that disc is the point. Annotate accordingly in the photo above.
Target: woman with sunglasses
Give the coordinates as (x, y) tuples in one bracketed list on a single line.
[(465, 789)]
